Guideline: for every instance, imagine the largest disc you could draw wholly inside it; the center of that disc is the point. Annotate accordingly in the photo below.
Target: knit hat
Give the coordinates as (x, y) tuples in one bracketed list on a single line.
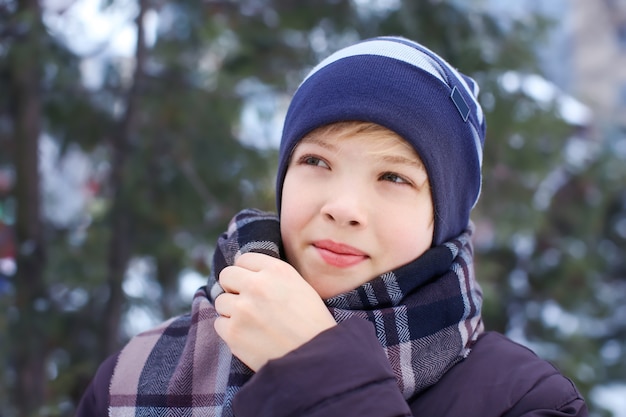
[(407, 88)]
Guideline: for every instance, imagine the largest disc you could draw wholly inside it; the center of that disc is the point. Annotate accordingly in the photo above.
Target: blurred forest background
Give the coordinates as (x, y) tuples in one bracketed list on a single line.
[(131, 130)]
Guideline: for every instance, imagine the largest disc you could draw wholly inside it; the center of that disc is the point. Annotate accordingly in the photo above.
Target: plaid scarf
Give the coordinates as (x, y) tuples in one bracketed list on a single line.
[(426, 315)]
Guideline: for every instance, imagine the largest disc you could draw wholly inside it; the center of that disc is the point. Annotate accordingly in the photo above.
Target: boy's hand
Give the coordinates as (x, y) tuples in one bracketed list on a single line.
[(268, 309)]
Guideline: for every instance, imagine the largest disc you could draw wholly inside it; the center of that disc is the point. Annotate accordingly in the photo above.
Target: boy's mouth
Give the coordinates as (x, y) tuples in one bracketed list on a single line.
[(339, 254)]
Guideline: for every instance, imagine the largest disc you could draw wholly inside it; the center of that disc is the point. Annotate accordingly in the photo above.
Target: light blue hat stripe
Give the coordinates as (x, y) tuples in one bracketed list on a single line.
[(388, 49), (480, 161), (478, 145)]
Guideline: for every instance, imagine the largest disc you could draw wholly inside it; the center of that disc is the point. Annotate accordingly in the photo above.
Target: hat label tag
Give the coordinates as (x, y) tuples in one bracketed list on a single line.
[(460, 103)]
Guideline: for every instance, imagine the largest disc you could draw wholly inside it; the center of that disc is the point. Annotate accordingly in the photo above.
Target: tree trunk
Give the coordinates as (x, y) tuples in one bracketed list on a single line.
[(28, 330), (120, 246)]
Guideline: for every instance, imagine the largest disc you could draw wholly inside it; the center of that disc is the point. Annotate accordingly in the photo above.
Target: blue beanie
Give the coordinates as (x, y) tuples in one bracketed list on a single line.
[(407, 88)]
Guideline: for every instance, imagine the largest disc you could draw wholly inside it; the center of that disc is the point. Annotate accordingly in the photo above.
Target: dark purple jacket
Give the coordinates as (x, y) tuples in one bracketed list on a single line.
[(344, 372)]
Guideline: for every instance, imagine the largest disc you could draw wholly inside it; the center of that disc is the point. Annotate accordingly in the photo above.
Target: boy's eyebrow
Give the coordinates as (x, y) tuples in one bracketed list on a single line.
[(399, 159), (315, 140)]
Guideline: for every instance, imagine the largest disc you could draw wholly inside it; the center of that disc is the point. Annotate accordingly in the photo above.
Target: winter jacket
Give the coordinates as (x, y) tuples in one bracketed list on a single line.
[(344, 372)]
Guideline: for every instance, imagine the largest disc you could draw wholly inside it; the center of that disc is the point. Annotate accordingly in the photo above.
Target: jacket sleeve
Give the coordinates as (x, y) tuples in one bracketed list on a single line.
[(500, 378), (556, 390), (341, 372), (95, 400)]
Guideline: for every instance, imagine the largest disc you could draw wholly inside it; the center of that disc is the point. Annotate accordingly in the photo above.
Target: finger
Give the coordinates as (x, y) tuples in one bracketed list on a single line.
[(231, 278), (254, 261), (221, 327), (224, 304), (259, 262)]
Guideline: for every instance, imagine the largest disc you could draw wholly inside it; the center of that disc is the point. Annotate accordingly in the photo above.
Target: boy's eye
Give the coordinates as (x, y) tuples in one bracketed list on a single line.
[(391, 177), (313, 161)]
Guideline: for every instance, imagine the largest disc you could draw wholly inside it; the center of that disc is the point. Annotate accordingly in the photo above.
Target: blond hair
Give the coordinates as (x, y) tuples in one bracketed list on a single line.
[(385, 138)]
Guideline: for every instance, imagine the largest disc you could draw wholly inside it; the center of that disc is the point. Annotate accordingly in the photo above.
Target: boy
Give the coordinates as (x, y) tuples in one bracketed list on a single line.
[(362, 300)]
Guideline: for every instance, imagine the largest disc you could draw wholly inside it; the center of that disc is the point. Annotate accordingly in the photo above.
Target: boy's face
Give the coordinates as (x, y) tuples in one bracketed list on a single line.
[(353, 208)]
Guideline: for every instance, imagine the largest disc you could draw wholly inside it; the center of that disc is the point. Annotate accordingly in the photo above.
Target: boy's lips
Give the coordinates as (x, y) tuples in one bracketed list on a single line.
[(339, 254)]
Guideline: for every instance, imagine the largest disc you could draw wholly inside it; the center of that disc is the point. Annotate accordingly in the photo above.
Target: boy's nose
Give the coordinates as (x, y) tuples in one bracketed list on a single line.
[(345, 208)]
